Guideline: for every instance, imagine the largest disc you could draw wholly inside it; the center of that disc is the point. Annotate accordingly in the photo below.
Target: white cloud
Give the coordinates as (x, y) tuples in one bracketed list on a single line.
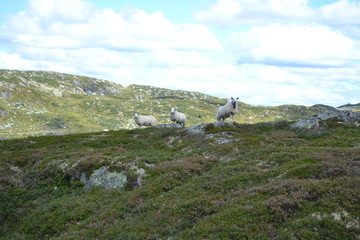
[(341, 12), (14, 61), (74, 24), (233, 12), (275, 74), (223, 11), (296, 45), (128, 47), (64, 10), (282, 61), (257, 12)]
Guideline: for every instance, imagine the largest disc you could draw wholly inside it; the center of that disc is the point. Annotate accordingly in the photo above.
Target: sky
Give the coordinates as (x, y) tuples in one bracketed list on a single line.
[(266, 52)]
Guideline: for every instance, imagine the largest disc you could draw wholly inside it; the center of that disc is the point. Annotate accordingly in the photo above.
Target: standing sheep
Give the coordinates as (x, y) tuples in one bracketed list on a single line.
[(142, 120), (177, 117), (228, 110)]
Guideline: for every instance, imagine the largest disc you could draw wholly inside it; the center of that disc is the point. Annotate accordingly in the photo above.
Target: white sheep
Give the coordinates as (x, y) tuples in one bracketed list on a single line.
[(142, 120), (228, 110), (177, 117)]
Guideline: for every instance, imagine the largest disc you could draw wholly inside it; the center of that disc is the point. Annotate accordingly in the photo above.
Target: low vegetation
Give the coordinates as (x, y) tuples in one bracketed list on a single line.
[(250, 181)]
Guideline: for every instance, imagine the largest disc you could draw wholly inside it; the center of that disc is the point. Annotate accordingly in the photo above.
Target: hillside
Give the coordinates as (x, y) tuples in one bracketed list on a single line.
[(236, 181), (38, 102), (352, 107)]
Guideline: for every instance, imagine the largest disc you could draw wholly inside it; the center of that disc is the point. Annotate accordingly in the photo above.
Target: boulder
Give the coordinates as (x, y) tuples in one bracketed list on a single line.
[(3, 113), (57, 93), (104, 178), (5, 94), (200, 129)]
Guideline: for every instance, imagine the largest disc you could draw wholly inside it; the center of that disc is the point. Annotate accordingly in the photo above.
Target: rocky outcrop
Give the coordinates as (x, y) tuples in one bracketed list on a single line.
[(3, 113), (94, 87), (57, 93), (104, 178), (340, 117), (200, 129), (5, 94), (168, 126)]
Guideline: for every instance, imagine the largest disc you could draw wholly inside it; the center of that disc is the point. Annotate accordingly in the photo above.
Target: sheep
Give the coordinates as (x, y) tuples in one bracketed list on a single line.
[(142, 120), (228, 110), (177, 117)]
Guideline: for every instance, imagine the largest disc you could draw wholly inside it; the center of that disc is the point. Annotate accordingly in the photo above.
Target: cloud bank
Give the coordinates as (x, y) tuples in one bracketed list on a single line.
[(276, 51)]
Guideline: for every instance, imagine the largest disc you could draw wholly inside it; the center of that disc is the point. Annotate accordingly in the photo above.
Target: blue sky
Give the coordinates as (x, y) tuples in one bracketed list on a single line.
[(266, 52)]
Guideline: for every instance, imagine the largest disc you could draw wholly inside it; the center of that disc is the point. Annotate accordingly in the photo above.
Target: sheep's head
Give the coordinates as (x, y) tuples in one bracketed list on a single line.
[(233, 101), (172, 110), (136, 115)]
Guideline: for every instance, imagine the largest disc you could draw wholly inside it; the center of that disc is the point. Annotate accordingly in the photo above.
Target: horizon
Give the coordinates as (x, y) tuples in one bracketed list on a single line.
[(256, 105), (266, 52)]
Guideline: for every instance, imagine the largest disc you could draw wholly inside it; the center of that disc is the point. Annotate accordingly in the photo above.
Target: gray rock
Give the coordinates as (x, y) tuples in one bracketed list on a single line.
[(57, 93), (222, 137), (5, 94), (345, 117), (225, 140), (94, 87), (200, 129), (102, 177), (3, 113), (9, 125), (168, 126)]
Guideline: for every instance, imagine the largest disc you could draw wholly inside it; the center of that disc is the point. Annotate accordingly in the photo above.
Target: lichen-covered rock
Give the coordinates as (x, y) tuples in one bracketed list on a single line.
[(3, 113), (57, 93), (200, 129), (345, 117), (96, 86), (104, 178), (222, 137), (5, 94), (168, 126)]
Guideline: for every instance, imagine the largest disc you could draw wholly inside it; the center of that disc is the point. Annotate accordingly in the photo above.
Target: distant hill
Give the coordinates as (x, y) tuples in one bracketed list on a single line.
[(39, 102), (353, 107)]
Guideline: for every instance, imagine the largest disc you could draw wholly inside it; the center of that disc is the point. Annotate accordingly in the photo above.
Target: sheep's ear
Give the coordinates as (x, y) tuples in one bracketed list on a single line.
[(237, 98), (232, 98)]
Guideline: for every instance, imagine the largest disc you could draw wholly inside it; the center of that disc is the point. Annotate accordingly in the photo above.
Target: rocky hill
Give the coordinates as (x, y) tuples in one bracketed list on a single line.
[(38, 102)]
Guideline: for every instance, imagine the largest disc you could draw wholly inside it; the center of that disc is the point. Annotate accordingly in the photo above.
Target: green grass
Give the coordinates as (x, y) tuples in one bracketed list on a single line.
[(270, 183)]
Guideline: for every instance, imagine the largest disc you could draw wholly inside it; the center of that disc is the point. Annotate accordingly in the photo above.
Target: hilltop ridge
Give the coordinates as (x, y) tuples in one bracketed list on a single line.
[(41, 102)]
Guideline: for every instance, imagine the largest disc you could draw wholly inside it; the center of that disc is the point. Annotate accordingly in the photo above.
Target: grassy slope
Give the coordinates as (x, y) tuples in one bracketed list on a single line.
[(269, 183), (34, 108)]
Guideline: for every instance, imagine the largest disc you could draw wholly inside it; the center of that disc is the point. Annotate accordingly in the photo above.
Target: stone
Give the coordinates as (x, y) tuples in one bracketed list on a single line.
[(5, 94), (345, 117), (222, 137), (200, 129), (104, 178), (3, 113), (168, 126), (57, 93)]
